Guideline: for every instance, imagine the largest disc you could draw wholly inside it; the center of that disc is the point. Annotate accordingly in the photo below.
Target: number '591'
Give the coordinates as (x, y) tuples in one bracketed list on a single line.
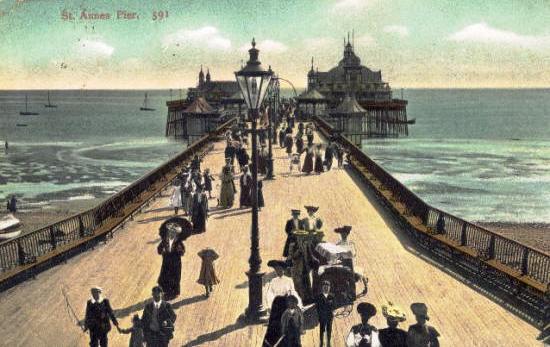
[(160, 15)]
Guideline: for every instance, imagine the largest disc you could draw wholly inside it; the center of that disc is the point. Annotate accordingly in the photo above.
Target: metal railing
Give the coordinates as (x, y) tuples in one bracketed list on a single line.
[(40, 246), (510, 257)]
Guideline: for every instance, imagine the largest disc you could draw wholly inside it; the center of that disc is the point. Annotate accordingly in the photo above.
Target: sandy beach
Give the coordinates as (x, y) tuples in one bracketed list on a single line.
[(32, 219)]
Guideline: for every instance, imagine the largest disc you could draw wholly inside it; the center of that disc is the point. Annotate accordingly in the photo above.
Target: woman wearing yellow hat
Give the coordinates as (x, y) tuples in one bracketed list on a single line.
[(392, 336)]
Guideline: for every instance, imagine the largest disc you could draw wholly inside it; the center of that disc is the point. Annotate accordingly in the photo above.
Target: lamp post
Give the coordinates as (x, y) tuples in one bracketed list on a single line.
[(253, 81), (270, 175)]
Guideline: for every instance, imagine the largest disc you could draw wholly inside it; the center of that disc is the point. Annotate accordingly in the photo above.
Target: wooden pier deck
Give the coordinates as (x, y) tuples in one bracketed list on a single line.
[(34, 312)]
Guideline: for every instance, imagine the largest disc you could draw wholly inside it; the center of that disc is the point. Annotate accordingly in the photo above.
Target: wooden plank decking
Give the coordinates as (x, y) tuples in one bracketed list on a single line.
[(34, 314)]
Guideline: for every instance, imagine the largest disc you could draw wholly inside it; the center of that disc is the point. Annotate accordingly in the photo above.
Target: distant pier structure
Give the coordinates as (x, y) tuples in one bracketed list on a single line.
[(205, 107), (354, 99)]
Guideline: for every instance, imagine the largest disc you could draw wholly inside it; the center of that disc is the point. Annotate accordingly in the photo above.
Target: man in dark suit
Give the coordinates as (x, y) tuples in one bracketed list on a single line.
[(98, 314), (291, 225), (325, 306), (158, 321)]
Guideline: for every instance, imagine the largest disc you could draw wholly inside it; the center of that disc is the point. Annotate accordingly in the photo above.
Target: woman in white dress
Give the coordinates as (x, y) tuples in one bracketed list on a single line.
[(364, 334), (175, 199)]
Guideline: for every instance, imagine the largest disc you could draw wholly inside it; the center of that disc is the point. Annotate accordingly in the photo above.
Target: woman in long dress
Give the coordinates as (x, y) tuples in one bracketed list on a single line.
[(175, 199), (207, 276), (307, 166), (171, 248), (227, 193)]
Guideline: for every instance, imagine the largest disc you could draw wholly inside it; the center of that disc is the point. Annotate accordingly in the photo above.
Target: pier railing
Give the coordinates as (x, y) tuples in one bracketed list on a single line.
[(23, 254), (516, 268)]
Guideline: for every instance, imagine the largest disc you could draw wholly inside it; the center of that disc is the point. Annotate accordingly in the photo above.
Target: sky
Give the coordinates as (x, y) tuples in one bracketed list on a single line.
[(415, 43)]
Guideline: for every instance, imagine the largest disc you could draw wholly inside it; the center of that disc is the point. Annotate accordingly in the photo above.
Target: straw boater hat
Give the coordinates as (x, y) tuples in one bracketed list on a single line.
[(312, 208), (293, 211), (390, 311), (366, 309), (346, 229), (96, 289), (420, 309)]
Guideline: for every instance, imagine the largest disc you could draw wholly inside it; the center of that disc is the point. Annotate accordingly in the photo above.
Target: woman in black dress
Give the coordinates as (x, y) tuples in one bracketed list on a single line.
[(171, 248), (307, 167), (299, 143)]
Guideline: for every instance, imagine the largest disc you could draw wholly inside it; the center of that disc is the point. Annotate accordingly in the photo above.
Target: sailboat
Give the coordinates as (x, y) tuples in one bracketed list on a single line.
[(49, 104), (145, 108), (27, 113)]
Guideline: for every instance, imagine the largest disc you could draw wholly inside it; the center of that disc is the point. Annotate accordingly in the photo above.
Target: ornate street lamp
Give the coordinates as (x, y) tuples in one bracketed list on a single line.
[(253, 81)]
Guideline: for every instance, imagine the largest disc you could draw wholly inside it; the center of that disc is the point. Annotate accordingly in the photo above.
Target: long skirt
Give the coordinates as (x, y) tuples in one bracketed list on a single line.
[(245, 199), (273, 333), (170, 275), (175, 199), (198, 219), (227, 194), (307, 167), (207, 276), (319, 165)]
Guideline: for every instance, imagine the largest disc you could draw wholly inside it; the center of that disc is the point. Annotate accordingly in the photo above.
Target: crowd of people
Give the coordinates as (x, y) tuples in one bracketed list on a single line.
[(306, 277), (302, 285)]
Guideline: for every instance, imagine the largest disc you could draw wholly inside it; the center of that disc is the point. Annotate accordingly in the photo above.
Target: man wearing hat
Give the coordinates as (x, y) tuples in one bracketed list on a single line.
[(98, 314), (325, 305), (291, 226), (158, 320), (230, 152), (364, 334), (278, 290), (421, 334), (392, 336)]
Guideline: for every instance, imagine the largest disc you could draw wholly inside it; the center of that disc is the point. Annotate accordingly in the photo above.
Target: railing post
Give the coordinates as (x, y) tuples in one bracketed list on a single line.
[(80, 227), (491, 250), (21, 256), (440, 225), (463, 236), (525, 261), (53, 241)]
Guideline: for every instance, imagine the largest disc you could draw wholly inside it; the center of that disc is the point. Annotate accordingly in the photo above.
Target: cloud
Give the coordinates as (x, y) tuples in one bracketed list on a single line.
[(208, 37), (94, 49), (364, 40), (350, 4), (267, 46), (483, 33), (399, 30)]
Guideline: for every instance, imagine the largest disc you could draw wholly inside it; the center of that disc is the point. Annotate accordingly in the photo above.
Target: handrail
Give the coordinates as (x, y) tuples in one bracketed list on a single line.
[(515, 258), (39, 246)]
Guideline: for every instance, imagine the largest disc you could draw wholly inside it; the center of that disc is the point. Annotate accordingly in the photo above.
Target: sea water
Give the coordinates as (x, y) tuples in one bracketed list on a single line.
[(92, 145), (483, 155)]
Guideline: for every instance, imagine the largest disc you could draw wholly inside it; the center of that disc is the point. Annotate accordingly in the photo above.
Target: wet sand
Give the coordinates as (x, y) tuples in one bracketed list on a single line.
[(32, 219)]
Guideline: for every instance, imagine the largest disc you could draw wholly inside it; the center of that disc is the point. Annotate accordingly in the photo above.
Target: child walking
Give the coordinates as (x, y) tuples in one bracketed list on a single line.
[(207, 275), (136, 331), (208, 178)]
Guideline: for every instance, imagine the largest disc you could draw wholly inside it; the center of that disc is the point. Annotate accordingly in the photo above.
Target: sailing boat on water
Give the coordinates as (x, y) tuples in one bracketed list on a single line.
[(49, 104), (27, 113), (145, 107)]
